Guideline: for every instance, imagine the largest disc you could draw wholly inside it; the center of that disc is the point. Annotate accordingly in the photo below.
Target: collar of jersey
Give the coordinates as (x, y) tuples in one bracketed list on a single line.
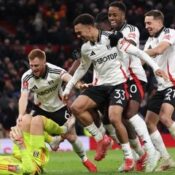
[(121, 27), (44, 76), (158, 33), (99, 37)]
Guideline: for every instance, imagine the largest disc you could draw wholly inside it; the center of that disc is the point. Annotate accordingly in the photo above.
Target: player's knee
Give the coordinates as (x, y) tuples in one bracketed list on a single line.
[(167, 121), (115, 118), (37, 120), (25, 122), (76, 109)]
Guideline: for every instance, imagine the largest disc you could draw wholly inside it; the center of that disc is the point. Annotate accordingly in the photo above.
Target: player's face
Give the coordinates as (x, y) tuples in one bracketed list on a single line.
[(152, 25), (83, 32), (37, 66), (116, 17)]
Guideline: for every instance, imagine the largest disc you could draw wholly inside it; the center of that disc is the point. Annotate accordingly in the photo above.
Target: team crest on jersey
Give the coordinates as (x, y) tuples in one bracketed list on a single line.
[(36, 154)]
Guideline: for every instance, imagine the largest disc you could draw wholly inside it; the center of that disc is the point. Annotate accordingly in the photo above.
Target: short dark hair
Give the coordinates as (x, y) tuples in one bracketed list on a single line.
[(85, 19), (157, 14), (101, 17), (119, 5)]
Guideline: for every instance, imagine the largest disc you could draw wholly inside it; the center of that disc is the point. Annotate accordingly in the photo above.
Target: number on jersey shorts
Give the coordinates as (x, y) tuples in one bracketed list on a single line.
[(115, 95), (136, 90), (164, 96), (59, 116)]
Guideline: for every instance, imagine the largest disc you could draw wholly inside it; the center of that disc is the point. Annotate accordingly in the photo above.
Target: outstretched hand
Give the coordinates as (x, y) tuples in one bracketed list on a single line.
[(65, 96), (85, 86), (162, 74), (114, 38)]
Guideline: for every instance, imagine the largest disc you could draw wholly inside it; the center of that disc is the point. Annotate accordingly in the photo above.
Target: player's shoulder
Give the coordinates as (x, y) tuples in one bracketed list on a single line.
[(27, 75), (106, 33), (85, 47), (130, 28), (168, 30), (53, 68)]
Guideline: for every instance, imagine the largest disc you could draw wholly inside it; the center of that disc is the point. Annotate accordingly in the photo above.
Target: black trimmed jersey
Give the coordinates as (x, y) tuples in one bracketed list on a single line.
[(47, 90), (133, 63), (166, 61), (106, 61)]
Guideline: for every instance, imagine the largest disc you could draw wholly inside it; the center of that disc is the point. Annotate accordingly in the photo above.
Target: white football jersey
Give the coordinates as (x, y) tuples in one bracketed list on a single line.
[(47, 89), (106, 61), (133, 63), (166, 61)]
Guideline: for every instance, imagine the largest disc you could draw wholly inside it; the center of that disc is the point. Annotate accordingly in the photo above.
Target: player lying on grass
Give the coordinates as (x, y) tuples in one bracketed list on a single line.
[(30, 153)]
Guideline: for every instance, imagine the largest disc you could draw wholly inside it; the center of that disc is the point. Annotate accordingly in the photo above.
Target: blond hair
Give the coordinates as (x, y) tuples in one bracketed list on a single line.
[(36, 53)]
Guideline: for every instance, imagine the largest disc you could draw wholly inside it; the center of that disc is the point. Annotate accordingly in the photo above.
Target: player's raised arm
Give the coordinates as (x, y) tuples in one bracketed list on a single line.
[(159, 49), (79, 73), (127, 47)]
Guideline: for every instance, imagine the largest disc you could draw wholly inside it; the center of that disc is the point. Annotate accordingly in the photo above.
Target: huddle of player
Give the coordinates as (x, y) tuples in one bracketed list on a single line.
[(117, 91)]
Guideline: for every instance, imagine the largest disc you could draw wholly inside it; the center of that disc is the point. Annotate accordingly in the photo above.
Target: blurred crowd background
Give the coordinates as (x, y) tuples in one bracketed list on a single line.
[(47, 24)]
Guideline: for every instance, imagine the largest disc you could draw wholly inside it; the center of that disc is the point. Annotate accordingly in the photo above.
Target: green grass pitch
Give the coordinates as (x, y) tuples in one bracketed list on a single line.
[(67, 163)]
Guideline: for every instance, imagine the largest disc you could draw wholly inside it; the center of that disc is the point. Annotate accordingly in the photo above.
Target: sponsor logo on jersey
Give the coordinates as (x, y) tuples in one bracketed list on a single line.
[(47, 91), (92, 53), (34, 88), (119, 102), (106, 58), (149, 47), (50, 82)]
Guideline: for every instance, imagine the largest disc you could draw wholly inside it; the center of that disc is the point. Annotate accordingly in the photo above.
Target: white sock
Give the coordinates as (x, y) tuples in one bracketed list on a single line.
[(94, 131), (127, 150), (172, 130), (136, 145), (142, 131), (79, 149), (112, 133), (159, 144), (102, 129)]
